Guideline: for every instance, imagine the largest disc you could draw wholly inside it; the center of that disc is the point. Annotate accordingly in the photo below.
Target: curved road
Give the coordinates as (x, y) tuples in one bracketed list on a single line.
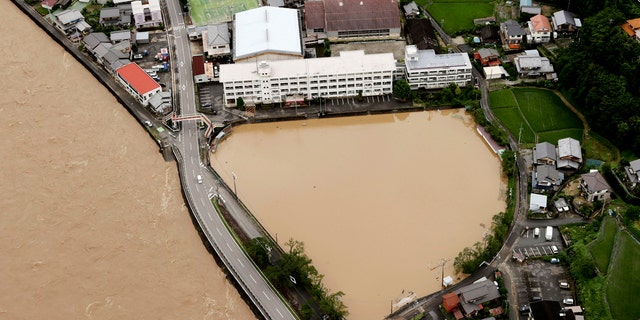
[(188, 151)]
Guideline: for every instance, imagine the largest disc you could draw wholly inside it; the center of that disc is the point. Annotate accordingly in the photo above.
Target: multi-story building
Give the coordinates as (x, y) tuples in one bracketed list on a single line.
[(512, 34), (428, 70), (540, 29), (352, 73), (137, 82), (146, 13)]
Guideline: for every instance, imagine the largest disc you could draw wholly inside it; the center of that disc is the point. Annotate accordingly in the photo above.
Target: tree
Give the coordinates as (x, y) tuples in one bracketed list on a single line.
[(582, 266), (240, 103), (401, 90), (257, 250)]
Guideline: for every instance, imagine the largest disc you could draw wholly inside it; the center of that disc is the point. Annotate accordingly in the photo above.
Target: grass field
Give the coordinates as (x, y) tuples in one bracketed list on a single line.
[(602, 247), (457, 14), (623, 287), (540, 113), (205, 12)]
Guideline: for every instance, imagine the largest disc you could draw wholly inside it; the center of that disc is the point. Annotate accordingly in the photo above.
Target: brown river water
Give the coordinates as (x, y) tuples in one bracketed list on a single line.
[(92, 221), (379, 201)]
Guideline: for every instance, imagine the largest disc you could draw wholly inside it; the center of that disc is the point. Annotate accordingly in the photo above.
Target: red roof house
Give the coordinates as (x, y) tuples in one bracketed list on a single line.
[(138, 82), (450, 301)]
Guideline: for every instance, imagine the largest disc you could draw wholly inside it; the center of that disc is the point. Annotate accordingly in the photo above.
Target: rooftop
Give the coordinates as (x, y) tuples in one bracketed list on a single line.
[(540, 23), (139, 80), (428, 59), (267, 29), (342, 15)]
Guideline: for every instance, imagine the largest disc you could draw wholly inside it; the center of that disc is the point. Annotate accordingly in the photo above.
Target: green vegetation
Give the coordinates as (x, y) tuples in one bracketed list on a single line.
[(601, 248), (205, 12), (295, 263), (623, 285), (401, 90), (539, 113), (456, 16)]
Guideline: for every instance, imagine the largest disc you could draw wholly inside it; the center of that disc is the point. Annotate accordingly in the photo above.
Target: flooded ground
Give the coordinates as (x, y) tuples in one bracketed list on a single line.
[(379, 201), (93, 224)]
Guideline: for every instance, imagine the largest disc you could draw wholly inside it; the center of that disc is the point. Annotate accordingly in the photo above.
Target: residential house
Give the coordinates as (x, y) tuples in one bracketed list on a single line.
[(474, 295), (137, 82), (527, 6), (146, 14), (632, 28), (48, 4), (569, 154), (355, 20), (544, 153), (119, 16), (565, 22), (487, 56), (66, 21), (160, 102), (531, 64), (420, 32), (119, 36), (350, 74), (540, 29), (512, 34), (92, 40), (117, 56), (411, 10), (450, 303), (594, 187), (428, 70), (495, 72), (216, 40), (546, 176), (203, 71), (537, 203), (632, 173), (267, 33), (142, 37)]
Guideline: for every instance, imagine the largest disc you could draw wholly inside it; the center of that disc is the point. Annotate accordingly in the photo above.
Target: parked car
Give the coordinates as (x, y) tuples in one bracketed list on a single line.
[(148, 123), (564, 284), (567, 301), (524, 310), (536, 232), (554, 249), (137, 56), (555, 260)]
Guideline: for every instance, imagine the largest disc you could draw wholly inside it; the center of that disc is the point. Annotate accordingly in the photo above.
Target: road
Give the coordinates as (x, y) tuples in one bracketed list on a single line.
[(188, 154)]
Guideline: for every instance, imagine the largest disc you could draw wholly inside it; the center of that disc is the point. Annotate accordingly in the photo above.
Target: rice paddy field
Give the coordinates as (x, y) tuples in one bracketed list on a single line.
[(204, 12), (535, 115), (457, 15)]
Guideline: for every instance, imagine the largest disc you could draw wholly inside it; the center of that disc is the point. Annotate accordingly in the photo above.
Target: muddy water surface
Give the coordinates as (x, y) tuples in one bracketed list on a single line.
[(92, 221), (379, 201)]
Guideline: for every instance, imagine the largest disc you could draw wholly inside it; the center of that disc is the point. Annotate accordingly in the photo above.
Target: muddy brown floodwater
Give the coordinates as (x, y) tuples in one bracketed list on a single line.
[(92, 221), (379, 201)]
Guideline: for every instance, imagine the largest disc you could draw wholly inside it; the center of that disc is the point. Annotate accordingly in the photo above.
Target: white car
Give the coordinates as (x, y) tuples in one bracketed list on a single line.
[(148, 123), (567, 301), (199, 177)]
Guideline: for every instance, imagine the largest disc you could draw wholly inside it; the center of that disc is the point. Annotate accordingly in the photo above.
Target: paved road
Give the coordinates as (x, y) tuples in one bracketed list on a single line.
[(264, 297)]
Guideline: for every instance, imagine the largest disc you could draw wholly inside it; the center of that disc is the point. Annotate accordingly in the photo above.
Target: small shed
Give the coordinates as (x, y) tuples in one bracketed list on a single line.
[(537, 202)]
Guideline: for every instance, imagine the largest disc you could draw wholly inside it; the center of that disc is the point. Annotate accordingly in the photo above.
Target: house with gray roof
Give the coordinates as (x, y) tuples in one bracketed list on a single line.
[(632, 173), (216, 41), (544, 153), (119, 36), (569, 154), (66, 20), (531, 64), (411, 10), (565, 22), (101, 50), (92, 40), (512, 34), (475, 294), (546, 177), (594, 187)]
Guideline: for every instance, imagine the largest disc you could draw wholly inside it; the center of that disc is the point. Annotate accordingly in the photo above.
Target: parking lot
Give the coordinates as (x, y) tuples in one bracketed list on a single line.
[(540, 280)]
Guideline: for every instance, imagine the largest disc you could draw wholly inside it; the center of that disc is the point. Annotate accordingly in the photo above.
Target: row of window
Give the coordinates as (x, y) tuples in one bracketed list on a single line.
[(314, 89), (438, 72), (442, 78), (231, 99), (363, 33), (436, 85)]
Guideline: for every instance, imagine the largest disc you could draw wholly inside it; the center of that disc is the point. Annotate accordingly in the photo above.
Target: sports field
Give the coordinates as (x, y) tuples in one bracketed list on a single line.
[(623, 285), (535, 115), (457, 15), (205, 12)]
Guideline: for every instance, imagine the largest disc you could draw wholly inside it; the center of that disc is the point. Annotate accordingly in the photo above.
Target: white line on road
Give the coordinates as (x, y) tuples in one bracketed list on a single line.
[(202, 200), (220, 233), (281, 316), (265, 294), (254, 280), (229, 246), (242, 264)]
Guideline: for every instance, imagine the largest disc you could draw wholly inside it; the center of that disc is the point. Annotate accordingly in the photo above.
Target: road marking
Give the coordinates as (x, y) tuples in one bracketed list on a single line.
[(254, 280), (229, 246), (202, 200), (265, 294), (281, 316), (242, 264), (220, 233)]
